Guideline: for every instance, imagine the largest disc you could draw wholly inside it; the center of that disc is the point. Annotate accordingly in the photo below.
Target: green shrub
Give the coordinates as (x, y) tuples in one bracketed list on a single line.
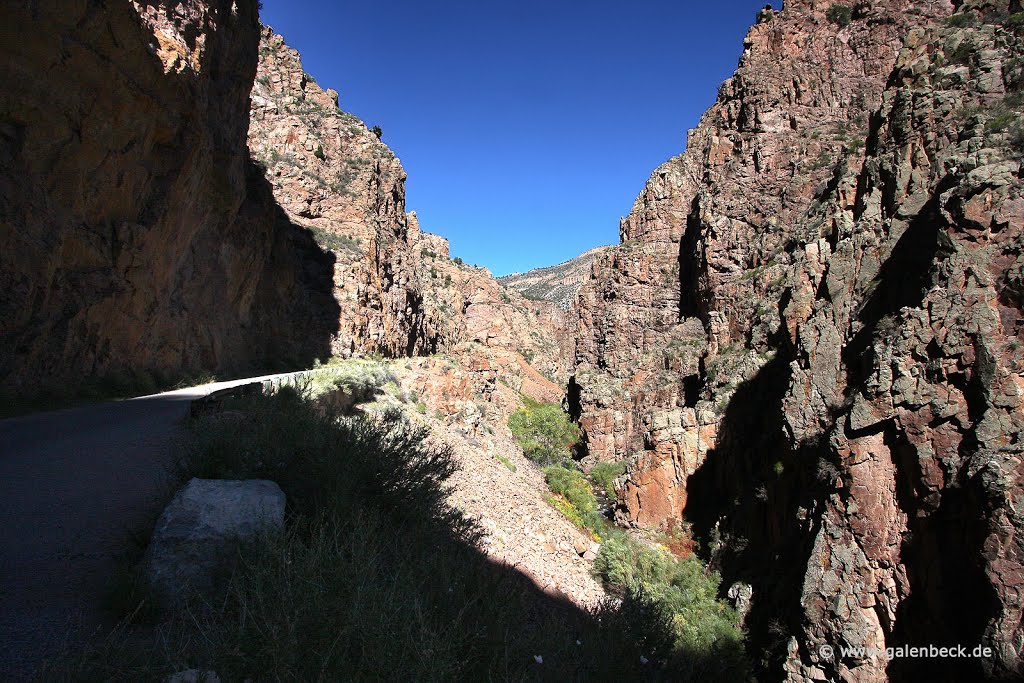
[(575, 489), (840, 15), (674, 604), (361, 380), (544, 431), (568, 510), (604, 474), (624, 562)]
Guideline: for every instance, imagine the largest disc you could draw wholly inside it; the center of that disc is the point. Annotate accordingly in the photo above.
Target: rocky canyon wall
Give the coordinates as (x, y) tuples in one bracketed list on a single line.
[(808, 343), (157, 221), (137, 236), (401, 293)]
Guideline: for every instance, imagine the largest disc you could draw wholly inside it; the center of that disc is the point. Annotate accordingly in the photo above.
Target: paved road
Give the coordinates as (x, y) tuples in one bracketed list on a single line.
[(73, 484)]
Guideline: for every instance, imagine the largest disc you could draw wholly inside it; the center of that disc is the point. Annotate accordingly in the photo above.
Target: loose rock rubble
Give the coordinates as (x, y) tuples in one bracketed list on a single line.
[(522, 529)]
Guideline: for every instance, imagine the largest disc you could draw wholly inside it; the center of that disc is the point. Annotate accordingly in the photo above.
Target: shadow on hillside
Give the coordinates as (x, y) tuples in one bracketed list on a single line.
[(295, 314), (289, 323), (902, 280), (134, 273), (106, 465), (376, 577), (951, 600)]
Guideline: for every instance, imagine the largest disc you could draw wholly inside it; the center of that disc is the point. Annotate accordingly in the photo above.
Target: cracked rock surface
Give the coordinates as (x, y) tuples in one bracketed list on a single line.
[(809, 341)]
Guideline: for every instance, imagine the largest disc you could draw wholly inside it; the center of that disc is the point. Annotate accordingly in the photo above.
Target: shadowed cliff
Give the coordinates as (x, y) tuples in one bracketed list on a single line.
[(139, 239)]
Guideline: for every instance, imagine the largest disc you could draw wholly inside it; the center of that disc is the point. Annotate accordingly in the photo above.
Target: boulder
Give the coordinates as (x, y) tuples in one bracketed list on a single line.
[(194, 676), (198, 532)]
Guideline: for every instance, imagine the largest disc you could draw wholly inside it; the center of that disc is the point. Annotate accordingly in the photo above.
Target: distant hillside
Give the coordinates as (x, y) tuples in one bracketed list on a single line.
[(554, 283)]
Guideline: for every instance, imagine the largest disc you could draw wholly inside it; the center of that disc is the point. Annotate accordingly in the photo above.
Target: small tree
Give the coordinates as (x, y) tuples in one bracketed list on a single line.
[(545, 432), (377, 131)]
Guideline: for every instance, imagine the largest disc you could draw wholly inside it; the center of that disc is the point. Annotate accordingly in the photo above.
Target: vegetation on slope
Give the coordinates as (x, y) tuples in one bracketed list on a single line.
[(676, 602), (604, 474), (557, 284), (670, 605), (376, 576), (575, 499), (545, 432)]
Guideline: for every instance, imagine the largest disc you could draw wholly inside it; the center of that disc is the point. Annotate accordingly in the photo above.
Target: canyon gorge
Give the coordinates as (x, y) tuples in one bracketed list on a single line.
[(807, 349)]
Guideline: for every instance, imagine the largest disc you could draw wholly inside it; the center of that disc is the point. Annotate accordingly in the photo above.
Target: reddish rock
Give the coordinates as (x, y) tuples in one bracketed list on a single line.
[(828, 282), (399, 291), (137, 237)]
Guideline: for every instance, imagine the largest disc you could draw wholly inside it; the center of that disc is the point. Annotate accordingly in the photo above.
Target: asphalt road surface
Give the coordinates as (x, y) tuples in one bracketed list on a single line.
[(74, 484)]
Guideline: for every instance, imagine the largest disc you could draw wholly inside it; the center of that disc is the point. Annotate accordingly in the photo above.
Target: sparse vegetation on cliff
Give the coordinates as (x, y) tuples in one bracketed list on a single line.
[(840, 15), (333, 241)]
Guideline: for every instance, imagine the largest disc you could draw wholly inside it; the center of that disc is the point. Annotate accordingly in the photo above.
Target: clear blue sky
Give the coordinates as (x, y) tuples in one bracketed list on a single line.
[(527, 128)]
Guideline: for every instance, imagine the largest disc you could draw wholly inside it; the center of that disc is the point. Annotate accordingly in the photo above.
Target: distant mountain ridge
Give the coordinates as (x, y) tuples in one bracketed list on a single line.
[(558, 283)]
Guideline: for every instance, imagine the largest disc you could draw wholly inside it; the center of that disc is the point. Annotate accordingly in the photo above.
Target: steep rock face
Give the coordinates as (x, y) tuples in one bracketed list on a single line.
[(823, 291), (335, 177), (399, 290), (704, 246), (134, 236), (905, 373), (558, 283)]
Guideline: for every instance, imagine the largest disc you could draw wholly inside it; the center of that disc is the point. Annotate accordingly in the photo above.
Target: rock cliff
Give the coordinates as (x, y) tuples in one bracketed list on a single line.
[(399, 290), (808, 343), (138, 238), (158, 222)]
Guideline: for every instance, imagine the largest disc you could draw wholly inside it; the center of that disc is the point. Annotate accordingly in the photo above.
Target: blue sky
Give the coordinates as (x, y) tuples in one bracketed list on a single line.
[(527, 128)]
